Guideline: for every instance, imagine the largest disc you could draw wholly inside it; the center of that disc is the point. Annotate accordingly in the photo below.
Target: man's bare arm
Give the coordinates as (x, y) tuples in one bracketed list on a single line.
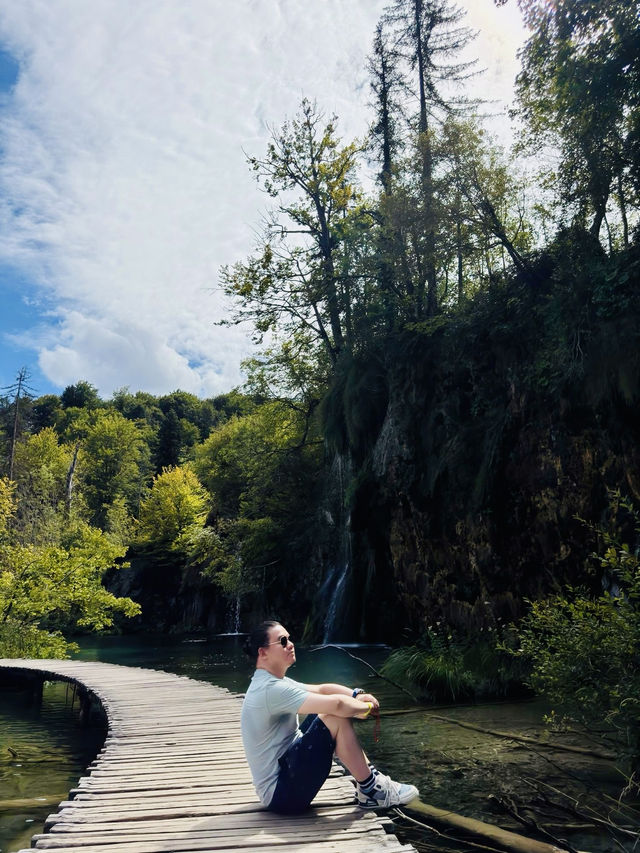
[(338, 704), (329, 689), (340, 690)]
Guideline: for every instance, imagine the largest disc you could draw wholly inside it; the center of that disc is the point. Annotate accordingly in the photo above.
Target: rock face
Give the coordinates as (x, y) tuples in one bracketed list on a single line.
[(464, 543), (504, 432)]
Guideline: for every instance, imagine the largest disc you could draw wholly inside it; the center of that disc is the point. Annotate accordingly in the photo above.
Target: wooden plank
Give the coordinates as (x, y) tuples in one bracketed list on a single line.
[(283, 834), (342, 846), (249, 821)]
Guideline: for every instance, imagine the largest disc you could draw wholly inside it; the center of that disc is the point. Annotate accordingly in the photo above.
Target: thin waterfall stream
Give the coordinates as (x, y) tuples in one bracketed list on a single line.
[(336, 589), (334, 593)]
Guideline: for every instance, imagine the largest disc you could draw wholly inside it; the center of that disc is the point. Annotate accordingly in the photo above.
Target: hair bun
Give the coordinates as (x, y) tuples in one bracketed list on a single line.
[(258, 638)]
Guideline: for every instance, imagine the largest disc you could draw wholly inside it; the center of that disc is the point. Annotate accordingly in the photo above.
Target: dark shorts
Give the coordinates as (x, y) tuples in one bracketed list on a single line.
[(303, 768)]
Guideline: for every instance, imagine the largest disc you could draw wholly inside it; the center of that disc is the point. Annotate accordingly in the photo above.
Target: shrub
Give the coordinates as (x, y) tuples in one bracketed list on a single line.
[(584, 650), (448, 669)]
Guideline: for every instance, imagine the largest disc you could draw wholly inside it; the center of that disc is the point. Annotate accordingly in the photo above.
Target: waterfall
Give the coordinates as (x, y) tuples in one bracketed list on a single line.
[(336, 600), (334, 593), (236, 620), (233, 616)]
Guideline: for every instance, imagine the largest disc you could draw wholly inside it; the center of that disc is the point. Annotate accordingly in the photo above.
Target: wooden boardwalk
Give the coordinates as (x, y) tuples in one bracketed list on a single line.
[(172, 777)]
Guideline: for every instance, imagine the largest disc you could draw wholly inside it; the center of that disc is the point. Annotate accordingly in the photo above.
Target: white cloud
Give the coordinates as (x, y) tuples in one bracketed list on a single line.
[(123, 180), (106, 351)]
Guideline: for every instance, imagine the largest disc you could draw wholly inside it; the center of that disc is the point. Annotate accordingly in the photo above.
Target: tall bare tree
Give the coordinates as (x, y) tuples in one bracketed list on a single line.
[(19, 390), (430, 35)]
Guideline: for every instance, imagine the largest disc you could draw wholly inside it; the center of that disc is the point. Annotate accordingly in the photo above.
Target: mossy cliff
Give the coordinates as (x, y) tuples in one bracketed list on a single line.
[(480, 439)]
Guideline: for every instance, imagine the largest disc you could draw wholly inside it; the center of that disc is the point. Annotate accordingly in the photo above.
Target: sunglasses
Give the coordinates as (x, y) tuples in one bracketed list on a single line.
[(283, 640)]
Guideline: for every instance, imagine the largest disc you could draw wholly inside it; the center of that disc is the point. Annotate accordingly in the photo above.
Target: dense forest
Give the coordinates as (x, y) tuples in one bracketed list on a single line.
[(438, 442)]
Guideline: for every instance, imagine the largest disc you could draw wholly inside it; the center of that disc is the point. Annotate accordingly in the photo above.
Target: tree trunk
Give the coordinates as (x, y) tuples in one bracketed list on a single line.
[(622, 204), (329, 278), (69, 485), (459, 258), (598, 218), (14, 435)]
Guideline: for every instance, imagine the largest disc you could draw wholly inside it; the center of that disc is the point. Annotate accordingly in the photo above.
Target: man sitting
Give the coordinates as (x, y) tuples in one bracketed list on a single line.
[(289, 764)]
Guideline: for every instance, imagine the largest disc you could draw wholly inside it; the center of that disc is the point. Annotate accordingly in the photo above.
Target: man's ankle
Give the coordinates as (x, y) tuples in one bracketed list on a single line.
[(368, 783)]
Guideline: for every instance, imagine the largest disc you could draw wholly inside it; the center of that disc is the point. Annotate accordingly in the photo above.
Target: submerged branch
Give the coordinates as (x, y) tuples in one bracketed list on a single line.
[(368, 665), (560, 747), (584, 812), (507, 804)]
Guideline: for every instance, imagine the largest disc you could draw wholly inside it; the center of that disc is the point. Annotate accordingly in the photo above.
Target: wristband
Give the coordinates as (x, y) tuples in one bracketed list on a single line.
[(364, 716), (356, 692)]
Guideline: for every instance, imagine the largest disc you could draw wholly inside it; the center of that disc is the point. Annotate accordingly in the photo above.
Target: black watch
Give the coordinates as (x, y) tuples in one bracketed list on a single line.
[(357, 691)]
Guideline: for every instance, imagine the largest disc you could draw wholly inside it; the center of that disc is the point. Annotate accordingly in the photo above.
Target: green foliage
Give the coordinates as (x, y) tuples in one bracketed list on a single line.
[(44, 412), (578, 89), (114, 463), (440, 672), (259, 472), (28, 641), (82, 395), (41, 469), (230, 554), (46, 589), (354, 408), (585, 650), (7, 503), (306, 274), (241, 462), (451, 669), (176, 505)]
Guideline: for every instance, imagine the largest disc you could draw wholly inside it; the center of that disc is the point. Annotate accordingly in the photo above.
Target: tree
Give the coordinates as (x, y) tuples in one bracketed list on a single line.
[(45, 411), (579, 91), (176, 506), (82, 395), (176, 436), (260, 471), (485, 194), (137, 407), (19, 390), (42, 468), (429, 35), (387, 84), (7, 505), (114, 464), (585, 650), (303, 275), (44, 590)]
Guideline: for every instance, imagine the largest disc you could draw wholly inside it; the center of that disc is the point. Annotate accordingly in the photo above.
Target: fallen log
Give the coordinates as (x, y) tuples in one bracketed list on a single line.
[(503, 839)]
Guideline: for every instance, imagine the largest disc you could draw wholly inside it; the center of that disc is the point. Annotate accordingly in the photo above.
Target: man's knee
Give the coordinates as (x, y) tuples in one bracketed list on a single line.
[(334, 723)]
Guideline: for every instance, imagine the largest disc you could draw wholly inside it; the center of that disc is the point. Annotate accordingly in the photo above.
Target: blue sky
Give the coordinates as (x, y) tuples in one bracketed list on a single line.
[(17, 313), (123, 181)]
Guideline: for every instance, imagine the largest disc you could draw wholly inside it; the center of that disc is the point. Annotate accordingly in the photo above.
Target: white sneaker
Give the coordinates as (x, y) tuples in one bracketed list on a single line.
[(386, 793)]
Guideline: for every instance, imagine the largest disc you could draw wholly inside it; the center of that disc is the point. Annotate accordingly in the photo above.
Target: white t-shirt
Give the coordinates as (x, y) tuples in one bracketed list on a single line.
[(269, 723)]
